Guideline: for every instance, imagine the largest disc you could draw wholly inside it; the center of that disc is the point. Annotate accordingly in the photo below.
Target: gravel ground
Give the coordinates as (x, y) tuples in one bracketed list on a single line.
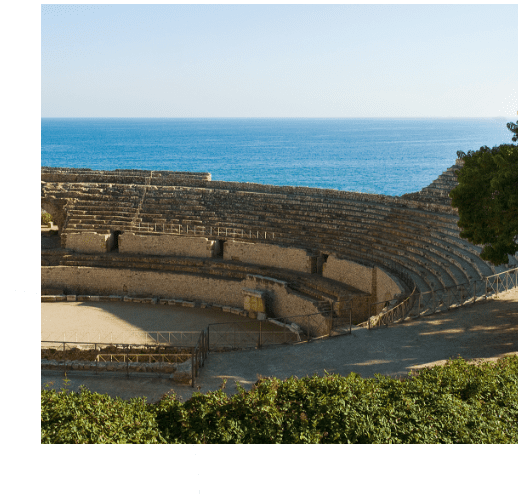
[(487, 330)]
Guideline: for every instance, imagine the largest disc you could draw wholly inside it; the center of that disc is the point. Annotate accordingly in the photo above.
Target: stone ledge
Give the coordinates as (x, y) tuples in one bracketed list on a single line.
[(179, 372), (155, 300)]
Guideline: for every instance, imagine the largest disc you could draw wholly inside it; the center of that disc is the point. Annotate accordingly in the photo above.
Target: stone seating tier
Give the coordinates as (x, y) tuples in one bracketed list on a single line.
[(119, 176), (394, 232), (409, 263), (244, 226), (406, 230), (307, 218), (196, 209), (267, 189), (381, 258), (312, 286), (327, 210), (346, 225)]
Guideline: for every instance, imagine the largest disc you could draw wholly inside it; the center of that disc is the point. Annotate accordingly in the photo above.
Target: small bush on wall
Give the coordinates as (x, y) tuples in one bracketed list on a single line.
[(45, 218)]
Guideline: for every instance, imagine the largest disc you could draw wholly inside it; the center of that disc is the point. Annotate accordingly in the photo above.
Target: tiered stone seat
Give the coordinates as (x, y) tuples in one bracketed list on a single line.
[(312, 286), (293, 220), (103, 209), (120, 176), (247, 218), (416, 233)]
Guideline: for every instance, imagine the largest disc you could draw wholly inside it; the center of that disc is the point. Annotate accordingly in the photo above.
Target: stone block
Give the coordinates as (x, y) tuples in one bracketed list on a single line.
[(235, 311), (71, 298), (261, 316), (47, 298), (89, 242), (226, 309), (94, 298), (189, 304), (83, 298), (254, 300)]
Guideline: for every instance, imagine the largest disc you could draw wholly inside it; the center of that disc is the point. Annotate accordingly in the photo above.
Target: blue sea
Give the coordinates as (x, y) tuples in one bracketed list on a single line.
[(384, 156)]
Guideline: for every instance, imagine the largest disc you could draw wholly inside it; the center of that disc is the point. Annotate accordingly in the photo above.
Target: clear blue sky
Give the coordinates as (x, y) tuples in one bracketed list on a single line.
[(279, 60)]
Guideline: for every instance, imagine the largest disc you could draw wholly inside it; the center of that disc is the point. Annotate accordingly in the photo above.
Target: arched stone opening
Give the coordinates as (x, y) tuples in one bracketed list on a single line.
[(57, 211)]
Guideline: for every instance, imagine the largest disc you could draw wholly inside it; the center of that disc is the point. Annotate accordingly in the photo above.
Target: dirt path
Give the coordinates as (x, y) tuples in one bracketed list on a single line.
[(487, 330)]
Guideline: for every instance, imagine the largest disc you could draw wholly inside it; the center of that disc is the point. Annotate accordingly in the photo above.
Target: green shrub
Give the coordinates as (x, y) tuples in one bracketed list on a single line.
[(457, 403), (86, 417), (45, 218)]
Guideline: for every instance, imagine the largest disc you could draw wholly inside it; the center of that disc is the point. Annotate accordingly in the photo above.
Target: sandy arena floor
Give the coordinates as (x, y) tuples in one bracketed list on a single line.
[(487, 330)]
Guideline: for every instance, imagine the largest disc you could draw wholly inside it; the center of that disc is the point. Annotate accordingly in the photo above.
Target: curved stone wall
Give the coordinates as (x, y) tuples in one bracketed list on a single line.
[(414, 236), (281, 301)]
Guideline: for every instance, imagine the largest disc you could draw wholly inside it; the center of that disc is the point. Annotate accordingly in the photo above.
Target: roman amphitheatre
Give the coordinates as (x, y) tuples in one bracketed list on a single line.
[(287, 265)]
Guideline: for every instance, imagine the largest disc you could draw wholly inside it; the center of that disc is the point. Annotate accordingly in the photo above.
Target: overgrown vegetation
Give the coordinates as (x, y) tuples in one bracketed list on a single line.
[(45, 218), (456, 403)]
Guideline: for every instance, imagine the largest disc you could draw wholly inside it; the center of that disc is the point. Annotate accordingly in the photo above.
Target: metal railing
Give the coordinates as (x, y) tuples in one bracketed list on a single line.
[(392, 315), (429, 302), (197, 230), (160, 358), (136, 337), (249, 335), (125, 353), (199, 354), (235, 335), (504, 281)]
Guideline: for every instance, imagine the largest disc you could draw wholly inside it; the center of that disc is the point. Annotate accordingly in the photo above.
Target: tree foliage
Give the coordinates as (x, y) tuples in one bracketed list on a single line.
[(487, 199), (514, 129)]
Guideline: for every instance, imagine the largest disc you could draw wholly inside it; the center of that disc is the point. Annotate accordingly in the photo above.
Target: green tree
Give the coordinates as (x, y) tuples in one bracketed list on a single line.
[(487, 199), (514, 129)]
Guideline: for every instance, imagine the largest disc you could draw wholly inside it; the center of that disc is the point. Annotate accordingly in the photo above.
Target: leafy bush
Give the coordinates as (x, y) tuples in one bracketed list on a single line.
[(86, 417), (45, 218), (457, 403)]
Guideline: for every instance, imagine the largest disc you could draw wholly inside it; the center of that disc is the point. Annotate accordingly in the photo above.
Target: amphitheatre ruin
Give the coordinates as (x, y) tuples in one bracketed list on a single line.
[(280, 252)]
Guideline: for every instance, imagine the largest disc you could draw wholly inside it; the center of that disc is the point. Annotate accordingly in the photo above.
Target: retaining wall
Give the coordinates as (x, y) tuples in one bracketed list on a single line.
[(281, 301), (351, 273), (89, 242), (387, 286), (168, 245), (371, 280), (87, 280), (282, 257)]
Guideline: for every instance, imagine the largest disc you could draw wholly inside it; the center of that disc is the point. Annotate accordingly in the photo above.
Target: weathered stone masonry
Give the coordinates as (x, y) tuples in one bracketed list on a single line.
[(324, 243)]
